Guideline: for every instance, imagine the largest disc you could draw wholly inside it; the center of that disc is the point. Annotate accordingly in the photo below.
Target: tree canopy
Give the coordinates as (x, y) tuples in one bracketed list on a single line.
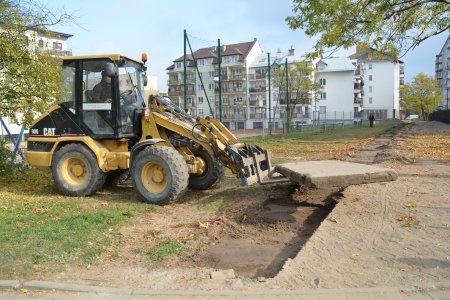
[(301, 86), (394, 26), (421, 96), (29, 78)]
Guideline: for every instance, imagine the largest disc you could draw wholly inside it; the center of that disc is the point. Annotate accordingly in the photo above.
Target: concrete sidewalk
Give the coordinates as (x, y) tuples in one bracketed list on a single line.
[(10, 289)]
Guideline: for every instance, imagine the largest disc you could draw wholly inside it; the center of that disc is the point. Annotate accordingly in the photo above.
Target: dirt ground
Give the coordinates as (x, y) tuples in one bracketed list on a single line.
[(367, 235)]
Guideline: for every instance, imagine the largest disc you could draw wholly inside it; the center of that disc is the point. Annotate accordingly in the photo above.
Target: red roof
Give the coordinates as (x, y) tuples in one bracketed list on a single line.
[(241, 49)]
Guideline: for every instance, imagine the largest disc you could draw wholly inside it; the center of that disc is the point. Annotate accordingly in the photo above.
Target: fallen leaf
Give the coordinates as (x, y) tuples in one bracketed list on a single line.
[(333, 219)]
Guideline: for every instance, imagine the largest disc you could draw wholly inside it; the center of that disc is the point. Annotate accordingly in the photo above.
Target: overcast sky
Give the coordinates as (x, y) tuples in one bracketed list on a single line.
[(156, 27)]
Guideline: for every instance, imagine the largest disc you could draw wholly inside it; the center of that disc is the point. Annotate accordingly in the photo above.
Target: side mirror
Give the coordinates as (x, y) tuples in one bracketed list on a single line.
[(111, 70), (144, 79)]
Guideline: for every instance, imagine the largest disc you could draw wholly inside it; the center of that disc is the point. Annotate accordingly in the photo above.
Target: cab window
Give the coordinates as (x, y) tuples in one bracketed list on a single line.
[(96, 108)]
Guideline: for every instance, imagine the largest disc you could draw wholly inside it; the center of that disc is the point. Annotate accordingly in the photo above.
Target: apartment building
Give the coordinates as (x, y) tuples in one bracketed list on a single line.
[(443, 73), (50, 41), (202, 92), (341, 96), (260, 112), (352, 87), (382, 77)]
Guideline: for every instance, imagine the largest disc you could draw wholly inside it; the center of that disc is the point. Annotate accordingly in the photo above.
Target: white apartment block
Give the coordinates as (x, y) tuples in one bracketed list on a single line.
[(341, 95), (261, 112), (443, 73), (49, 41), (382, 78)]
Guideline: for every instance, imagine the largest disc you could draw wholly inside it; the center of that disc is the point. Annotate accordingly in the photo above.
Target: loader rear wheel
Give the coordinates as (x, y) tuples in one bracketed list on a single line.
[(214, 170), (76, 172), (160, 174)]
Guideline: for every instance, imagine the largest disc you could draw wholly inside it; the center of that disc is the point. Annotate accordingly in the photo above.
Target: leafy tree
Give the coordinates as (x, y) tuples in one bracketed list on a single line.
[(301, 86), (422, 95), (394, 26), (29, 79)]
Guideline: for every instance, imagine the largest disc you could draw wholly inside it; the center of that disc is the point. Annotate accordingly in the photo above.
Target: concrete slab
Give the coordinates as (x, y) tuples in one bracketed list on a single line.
[(326, 173)]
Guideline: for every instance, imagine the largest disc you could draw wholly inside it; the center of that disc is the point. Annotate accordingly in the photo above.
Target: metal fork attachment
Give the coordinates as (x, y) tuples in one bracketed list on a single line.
[(254, 165)]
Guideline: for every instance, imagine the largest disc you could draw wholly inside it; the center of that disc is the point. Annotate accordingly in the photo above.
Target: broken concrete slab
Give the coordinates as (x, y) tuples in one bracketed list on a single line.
[(326, 173)]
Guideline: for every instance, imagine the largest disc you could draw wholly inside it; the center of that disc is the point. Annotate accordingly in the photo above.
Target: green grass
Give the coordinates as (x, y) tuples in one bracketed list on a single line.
[(41, 230), (165, 248), (337, 134)]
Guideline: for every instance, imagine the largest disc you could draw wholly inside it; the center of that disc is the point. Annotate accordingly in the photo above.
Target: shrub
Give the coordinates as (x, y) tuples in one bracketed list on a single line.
[(6, 167)]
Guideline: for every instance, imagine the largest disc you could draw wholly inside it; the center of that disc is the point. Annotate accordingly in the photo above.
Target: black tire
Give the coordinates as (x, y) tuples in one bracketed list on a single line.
[(214, 171), (76, 172), (160, 174)]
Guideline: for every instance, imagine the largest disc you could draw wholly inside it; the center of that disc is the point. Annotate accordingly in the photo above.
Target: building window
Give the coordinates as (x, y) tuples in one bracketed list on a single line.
[(370, 89), (201, 112), (211, 86), (178, 65), (322, 81), (200, 100), (211, 74), (322, 109), (57, 46), (370, 100), (370, 77), (323, 96), (370, 66), (41, 44)]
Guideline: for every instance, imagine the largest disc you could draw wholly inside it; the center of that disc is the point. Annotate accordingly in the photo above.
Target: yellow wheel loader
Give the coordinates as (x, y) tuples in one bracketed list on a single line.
[(104, 127)]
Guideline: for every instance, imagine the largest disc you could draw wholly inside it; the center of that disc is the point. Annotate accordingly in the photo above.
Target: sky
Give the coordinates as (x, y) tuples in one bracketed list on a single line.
[(156, 27)]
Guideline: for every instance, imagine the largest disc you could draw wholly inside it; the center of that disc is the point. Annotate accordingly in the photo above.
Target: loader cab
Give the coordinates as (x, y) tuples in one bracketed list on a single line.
[(102, 94)]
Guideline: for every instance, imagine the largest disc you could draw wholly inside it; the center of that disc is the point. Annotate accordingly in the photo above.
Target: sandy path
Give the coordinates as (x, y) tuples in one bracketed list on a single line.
[(363, 244)]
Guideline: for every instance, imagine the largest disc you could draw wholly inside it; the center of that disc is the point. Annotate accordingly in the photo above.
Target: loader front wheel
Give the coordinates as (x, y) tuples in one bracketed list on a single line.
[(214, 171), (76, 172), (160, 175)]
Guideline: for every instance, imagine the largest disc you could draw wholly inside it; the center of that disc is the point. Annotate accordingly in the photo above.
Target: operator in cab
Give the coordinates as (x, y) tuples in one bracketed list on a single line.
[(102, 90)]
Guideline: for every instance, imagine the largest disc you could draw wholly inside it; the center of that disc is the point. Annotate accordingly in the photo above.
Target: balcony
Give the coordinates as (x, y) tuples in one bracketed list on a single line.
[(257, 116), (257, 103), (180, 81), (234, 77), (234, 117), (56, 52), (358, 86), (230, 90), (256, 76), (180, 93), (261, 89)]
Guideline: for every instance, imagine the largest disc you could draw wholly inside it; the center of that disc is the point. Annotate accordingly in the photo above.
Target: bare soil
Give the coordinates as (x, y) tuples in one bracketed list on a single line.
[(292, 237)]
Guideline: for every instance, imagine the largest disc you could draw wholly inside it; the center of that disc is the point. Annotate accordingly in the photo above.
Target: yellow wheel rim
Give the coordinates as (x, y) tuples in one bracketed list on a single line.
[(154, 177), (201, 166), (75, 171)]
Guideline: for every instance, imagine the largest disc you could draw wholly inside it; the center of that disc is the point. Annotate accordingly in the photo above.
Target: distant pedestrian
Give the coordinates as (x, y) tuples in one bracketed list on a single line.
[(371, 120)]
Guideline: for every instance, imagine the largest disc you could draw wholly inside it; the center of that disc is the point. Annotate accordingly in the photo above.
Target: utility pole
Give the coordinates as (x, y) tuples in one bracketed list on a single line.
[(270, 104), (287, 95), (184, 74), (220, 79)]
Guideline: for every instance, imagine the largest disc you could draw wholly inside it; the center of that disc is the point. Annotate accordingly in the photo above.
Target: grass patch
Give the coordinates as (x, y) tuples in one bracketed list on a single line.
[(165, 248), (42, 230), (332, 144)]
